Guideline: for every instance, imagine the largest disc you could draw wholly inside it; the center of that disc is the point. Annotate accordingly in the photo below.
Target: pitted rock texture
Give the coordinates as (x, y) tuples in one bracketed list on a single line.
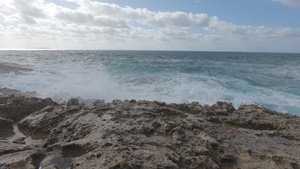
[(16, 108), (150, 134)]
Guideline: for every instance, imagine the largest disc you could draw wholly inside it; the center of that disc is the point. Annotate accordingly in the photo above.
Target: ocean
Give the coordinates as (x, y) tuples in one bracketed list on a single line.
[(270, 80)]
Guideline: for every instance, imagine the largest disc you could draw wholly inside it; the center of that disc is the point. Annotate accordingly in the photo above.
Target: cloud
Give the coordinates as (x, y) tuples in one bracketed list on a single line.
[(104, 21), (28, 19), (2, 18), (32, 8), (174, 20), (6, 6), (293, 3), (144, 16), (74, 16), (218, 26), (93, 21), (177, 19)]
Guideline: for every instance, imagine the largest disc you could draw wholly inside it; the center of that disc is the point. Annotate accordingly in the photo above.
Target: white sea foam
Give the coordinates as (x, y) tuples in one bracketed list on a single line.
[(61, 82), (62, 75)]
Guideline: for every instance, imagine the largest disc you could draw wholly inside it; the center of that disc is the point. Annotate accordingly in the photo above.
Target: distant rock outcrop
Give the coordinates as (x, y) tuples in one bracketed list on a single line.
[(6, 68)]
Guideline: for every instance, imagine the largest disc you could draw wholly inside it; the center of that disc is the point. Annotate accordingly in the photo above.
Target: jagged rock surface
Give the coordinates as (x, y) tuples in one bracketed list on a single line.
[(16, 108), (16, 156), (144, 134)]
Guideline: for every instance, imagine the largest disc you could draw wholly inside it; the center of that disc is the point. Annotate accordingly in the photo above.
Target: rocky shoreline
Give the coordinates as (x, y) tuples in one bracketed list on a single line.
[(143, 134)]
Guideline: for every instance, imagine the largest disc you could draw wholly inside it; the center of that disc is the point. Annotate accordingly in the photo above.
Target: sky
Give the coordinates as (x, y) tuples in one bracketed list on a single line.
[(189, 25)]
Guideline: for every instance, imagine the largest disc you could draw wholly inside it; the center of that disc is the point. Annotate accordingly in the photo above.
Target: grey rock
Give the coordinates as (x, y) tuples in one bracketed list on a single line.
[(20, 140), (19, 156), (16, 108)]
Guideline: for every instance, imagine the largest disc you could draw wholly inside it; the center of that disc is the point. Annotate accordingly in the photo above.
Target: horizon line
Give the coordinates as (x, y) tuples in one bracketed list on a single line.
[(166, 50)]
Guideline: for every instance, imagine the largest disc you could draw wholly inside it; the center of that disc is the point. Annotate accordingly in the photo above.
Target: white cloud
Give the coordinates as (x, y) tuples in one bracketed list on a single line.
[(293, 3), (177, 19), (104, 21), (74, 16), (2, 18), (14, 19), (218, 26), (6, 6), (28, 19), (155, 19), (110, 23), (32, 8)]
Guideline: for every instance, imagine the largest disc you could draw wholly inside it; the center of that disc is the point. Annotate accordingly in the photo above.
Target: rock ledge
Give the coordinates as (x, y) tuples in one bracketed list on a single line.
[(146, 134)]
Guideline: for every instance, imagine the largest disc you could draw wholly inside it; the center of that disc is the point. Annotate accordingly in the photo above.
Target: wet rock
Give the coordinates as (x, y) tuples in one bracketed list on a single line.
[(20, 140), (52, 166)]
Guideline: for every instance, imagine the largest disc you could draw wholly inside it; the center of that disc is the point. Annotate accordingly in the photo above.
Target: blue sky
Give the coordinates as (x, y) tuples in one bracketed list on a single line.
[(205, 25), (243, 12)]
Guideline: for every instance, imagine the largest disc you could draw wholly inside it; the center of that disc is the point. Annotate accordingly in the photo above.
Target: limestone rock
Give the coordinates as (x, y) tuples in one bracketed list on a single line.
[(145, 134), (19, 156), (23, 159), (6, 127), (20, 107), (257, 118), (20, 140)]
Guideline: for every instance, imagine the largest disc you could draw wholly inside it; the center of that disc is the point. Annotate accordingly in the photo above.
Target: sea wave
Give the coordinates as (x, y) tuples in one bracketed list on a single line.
[(268, 80)]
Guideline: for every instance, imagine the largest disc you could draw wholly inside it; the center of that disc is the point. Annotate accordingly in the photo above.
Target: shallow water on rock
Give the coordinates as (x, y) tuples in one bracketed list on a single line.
[(56, 159), (27, 140), (17, 134)]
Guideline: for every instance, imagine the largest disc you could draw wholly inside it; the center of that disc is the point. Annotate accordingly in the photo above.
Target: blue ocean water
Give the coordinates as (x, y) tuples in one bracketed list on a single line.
[(271, 80)]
